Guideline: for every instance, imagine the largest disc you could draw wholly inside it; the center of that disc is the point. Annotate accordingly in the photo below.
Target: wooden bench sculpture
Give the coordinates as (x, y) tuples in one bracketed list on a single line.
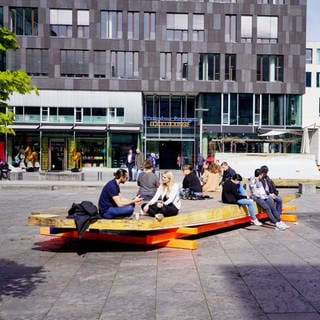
[(170, 232)]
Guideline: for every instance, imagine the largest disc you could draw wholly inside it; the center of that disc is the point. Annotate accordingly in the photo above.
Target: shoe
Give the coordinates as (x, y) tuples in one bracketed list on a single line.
[(141, 212), (280, 227), (284, 225), (256, 222), (159, 216)]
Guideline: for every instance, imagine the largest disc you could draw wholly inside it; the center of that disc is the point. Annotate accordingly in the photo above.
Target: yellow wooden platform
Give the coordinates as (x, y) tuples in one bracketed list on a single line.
[(168, 232)]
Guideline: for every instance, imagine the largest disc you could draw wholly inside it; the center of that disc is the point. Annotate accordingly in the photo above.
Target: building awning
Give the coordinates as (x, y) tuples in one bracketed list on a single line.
[(90, 128), (55, 127), (24, 126), (125, 128)]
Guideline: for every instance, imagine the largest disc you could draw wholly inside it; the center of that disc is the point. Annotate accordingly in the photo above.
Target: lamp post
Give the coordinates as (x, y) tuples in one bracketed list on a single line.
[(200, 115)]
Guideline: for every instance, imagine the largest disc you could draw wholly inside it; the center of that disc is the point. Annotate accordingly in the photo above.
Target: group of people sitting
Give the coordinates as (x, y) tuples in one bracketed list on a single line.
[(157, 199), (161, 199)]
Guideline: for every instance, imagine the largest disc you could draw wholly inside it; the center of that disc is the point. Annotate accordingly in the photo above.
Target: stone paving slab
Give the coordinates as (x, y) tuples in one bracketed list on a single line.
[(244, 273)]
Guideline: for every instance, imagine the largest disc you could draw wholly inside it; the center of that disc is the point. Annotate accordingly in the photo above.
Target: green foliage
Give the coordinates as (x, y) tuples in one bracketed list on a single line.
[(8, 40), (11, 81), (6, 119)]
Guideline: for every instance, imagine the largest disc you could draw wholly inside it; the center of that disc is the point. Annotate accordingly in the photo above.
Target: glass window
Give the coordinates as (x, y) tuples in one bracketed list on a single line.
[(37, 62), (245, 108), (1, 16), (318, 80), (318, 56), (165, 65), (124, 65), (61, 23), (23, 21), (209, 66), (230, 67), (100, 64), (133, 25), (267, 29), (246, 28), (269, 68), (177, 26), (230, 28), (83, 23), (13, 59), (198, 27), (149, 20), (308, 79), (182, 66), (309, 56), (74, 63), (111, 24)]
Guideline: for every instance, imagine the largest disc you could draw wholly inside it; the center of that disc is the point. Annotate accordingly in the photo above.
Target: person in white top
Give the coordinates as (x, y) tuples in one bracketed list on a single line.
[(259, 195), (166, 201)]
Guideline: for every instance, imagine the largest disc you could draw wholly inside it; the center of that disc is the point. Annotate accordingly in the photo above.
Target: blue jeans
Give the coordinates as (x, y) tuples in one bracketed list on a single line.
[(249, 203), (278, 202), (268, 206), (118, 212)]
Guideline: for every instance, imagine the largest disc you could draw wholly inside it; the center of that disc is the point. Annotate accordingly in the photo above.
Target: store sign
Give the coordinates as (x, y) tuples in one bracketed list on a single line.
[(169, 122)]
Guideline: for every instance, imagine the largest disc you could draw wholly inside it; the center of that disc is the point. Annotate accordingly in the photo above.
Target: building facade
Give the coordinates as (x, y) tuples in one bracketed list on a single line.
[(311, 100), (169, 77)]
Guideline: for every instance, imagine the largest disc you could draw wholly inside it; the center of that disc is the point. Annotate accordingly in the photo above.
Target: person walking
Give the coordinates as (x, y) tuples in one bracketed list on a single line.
[(139, 160)]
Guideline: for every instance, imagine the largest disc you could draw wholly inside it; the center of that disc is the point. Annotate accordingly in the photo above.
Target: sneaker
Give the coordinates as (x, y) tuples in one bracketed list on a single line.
[(284, 225), (159, 216), (141, 212), (280, 227), (256, 222)]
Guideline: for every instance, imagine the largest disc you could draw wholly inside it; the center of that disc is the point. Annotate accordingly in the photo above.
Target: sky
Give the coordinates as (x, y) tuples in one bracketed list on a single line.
[(313, 21)]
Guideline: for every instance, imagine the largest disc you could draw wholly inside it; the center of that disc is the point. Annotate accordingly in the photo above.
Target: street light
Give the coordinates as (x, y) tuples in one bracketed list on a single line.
[(200, 114)]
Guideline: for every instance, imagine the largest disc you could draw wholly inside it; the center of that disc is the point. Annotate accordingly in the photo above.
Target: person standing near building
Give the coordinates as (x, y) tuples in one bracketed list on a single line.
[(200, 163), (232, 195), (139, 160), (111, 203), (130, 163)]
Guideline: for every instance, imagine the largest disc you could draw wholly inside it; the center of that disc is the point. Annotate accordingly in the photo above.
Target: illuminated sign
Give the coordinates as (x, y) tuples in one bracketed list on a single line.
[(169, 124)]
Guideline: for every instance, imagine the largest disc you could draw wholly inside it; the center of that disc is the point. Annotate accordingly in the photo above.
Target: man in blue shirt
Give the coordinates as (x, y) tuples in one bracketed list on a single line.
[(111, 203)]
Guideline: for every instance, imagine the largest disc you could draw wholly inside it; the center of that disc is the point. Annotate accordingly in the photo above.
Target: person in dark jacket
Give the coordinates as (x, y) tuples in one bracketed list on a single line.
[(270, 188), (191, 181), (231, 194), (228, 172)]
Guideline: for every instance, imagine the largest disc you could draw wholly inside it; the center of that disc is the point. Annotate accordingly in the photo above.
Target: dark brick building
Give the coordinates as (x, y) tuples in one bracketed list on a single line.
[(170, 77)]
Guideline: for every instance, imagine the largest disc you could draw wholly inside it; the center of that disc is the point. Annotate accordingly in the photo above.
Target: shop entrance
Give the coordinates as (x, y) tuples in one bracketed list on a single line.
[(57, 157), (168, 153)]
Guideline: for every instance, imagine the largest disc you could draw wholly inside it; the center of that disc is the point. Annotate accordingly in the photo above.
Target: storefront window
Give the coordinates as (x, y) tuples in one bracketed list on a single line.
[(93, 151)]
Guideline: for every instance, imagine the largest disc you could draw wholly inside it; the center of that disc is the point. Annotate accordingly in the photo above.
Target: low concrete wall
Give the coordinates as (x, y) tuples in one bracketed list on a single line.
[(281, 166), (65, 176)]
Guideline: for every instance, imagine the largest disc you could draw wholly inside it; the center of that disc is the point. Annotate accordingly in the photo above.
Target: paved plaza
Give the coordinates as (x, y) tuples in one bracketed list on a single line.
[(244, 273)]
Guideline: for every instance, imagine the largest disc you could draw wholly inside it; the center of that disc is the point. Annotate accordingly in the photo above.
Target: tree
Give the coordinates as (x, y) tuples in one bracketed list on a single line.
[(11, 81)]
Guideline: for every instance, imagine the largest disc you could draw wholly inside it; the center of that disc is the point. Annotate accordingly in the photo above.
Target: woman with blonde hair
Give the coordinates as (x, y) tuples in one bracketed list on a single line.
[(166, 201)]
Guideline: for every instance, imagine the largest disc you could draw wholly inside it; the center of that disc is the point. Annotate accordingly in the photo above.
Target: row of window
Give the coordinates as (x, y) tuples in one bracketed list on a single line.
[(125, 65), (179, 26), (69, 115), (309, 56), (309, 79)]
